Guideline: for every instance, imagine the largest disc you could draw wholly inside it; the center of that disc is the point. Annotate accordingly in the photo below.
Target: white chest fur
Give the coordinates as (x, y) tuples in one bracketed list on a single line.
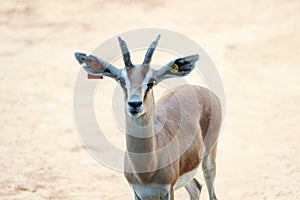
[(151, 191), (158, 191)]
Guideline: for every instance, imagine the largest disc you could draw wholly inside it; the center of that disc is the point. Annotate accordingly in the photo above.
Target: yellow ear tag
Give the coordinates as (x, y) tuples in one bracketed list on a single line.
[(174, 68)]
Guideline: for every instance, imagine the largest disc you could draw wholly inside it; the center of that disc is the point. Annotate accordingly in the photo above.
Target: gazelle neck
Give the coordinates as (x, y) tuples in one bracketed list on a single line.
[(140, 130)]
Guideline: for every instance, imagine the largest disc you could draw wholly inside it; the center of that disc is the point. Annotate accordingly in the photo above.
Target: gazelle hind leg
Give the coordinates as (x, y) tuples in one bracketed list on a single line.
[(209, 172), (136, 197), (194, 189)]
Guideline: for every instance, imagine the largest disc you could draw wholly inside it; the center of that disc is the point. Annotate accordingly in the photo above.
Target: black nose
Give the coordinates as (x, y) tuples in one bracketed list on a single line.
[(135, 103)]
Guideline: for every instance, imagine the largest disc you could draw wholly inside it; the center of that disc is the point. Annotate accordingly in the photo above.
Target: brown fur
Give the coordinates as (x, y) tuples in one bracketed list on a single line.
[(166, 140), (200, 110), (180, 129)]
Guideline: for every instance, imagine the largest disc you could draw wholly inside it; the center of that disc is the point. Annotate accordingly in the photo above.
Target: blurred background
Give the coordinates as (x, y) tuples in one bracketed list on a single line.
[(254, 44)]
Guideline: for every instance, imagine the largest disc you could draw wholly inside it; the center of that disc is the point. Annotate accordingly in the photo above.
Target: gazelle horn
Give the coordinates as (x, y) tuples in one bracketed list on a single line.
[(150, 51), (125, 52)]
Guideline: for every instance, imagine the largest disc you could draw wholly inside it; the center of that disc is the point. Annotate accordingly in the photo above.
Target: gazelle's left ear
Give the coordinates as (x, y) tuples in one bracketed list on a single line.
[(177, 68), (96, 66)]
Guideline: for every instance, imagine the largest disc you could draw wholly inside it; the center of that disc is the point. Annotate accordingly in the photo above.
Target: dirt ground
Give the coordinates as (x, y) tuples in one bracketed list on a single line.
[(254, 44)]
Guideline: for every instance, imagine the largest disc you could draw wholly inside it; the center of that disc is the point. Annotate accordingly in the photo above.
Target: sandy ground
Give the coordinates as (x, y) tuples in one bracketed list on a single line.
[(254, 44)]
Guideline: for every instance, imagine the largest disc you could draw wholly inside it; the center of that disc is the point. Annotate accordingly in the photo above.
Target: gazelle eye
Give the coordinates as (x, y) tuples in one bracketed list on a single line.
[(150, 84)]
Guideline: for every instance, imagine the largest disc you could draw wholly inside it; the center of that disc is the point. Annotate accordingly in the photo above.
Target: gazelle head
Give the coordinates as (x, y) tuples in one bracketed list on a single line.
[(137, 80)]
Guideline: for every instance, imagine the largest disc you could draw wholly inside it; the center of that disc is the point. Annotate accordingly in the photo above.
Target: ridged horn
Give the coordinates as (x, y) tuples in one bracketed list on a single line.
[(150, 51), (125, 52)]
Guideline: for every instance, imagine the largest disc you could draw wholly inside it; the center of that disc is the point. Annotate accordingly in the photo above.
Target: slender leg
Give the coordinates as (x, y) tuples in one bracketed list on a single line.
[(209, 172), (194, 189), (171, 195), (136, 196), (168, 196)]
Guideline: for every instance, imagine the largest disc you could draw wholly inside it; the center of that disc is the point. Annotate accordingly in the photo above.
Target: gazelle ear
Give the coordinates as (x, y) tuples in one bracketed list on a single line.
[(177, 68), (96, 66)]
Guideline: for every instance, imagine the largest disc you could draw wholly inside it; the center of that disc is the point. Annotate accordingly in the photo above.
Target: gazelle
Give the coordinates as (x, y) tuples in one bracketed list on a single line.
[(167, 140)]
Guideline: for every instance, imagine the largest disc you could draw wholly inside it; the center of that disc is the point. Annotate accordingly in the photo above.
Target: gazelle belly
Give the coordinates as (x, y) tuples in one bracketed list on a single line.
[(185, 178)]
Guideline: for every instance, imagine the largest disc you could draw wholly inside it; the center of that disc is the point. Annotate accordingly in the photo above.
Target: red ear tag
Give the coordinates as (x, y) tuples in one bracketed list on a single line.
[(94, 77)]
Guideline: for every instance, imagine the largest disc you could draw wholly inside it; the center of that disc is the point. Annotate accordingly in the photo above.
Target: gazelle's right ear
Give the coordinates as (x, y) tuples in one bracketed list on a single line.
[(96, 66)]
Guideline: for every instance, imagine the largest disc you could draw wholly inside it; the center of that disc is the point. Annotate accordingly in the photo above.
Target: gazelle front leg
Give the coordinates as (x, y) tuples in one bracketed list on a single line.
[(194, 189), (136, 196)]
